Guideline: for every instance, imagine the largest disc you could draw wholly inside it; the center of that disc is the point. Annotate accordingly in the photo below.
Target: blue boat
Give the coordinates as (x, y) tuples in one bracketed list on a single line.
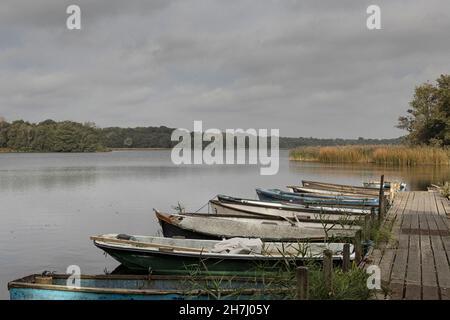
[(279, 195), (140, 287)]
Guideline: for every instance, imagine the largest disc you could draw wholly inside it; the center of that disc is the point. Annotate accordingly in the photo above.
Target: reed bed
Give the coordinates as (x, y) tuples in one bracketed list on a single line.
[(383, 154)]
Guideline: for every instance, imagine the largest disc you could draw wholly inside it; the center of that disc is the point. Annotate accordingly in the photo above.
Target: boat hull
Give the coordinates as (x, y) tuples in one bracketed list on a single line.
[(145, 287), (229, 205), (207, 226), (278, 195), (157, 255)]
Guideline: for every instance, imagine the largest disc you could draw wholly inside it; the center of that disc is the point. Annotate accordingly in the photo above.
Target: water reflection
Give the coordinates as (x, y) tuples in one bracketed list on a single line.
[(52, 203), (417, 178)]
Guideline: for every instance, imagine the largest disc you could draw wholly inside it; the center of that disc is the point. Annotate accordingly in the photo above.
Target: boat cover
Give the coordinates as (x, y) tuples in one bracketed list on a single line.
[(239, 246)]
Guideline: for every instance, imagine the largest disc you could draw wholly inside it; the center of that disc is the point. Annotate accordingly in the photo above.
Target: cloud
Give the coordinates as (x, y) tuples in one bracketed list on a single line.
[(309, 68)]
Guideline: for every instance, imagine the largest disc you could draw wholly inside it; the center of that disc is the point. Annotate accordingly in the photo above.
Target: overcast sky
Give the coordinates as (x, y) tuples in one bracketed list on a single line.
[(309, 68)]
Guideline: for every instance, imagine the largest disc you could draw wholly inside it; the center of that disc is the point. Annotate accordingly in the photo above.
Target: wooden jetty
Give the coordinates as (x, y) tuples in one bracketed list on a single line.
[(415, 263)]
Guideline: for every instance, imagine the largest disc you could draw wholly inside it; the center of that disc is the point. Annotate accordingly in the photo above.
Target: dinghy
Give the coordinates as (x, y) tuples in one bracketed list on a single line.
[(141, 287), (237, 206), (387, 185), (192, 256), (340, 188), (292, 197), (304, 190), (207, 226)]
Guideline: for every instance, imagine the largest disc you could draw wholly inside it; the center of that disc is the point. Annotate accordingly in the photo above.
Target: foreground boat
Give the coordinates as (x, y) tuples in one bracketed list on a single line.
[(190, 256), (231, 206), (292, 197), (207, 226), (140, 287)]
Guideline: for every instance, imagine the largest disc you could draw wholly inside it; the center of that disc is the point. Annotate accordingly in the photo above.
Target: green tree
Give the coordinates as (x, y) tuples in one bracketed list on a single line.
[(428, 120)]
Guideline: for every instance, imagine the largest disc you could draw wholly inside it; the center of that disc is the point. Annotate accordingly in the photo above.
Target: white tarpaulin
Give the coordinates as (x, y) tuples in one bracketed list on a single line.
[(239, 246)]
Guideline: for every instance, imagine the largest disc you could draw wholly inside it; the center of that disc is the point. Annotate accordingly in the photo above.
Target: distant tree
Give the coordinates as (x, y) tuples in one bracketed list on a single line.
[(128, 142), (428, 120)]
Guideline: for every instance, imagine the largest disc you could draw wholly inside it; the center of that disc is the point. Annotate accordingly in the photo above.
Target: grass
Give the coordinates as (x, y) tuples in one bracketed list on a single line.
[(445, 190), (381, 154), (279, 281)]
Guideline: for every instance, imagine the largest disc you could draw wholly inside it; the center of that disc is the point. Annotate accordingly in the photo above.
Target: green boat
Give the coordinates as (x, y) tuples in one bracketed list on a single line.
[(248, 257)]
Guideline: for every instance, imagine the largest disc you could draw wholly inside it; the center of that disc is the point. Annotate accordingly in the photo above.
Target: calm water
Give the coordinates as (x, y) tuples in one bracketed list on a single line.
[(51, 203)]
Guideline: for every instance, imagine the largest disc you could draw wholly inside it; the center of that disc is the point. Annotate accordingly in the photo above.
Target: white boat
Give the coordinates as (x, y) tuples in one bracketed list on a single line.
[(208, 226)]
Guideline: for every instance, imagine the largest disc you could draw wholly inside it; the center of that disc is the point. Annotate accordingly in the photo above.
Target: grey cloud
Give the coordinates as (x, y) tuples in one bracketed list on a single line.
[(310, 68)]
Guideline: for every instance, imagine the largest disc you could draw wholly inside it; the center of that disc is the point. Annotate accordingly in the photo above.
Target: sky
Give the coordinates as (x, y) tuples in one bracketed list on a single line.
[(307, 68)]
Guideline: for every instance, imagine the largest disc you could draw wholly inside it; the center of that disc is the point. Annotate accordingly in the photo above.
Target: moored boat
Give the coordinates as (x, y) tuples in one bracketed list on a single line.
[(348, 189), (191, 256), (140, 287), (207, 226), (237, 207), (387, 185), (292, 197), (326, 192)]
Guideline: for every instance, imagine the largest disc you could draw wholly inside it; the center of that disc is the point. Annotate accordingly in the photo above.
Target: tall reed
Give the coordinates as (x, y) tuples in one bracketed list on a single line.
[(387, 155)]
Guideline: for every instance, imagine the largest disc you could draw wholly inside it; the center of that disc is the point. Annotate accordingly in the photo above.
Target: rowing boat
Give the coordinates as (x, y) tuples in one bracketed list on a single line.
[(325, 192), (191, 256), (140, 287), (348, 189), (231, 206), (208, 226), (292, 197), (387, 185)]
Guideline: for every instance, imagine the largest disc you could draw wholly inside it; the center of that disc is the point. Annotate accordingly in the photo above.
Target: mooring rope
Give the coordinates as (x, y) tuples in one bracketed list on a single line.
[(206, 204)]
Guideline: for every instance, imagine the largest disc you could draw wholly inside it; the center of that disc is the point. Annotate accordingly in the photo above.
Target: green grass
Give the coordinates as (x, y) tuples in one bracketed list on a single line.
[(280, 282), (382, 154), (445, 190)]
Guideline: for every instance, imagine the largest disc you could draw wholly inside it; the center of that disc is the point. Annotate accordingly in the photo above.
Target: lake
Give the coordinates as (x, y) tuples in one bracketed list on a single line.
[(51, 203)]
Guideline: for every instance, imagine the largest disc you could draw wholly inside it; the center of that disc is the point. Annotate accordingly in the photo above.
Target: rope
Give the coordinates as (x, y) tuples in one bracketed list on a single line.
[(206, 204)]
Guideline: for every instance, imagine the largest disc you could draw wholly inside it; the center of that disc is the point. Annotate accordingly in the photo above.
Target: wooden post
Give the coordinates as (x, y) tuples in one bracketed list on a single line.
[(381, 200), (346, 258), (372, 215), (328, 270), (367, 226), (358, 247), (302, 283)]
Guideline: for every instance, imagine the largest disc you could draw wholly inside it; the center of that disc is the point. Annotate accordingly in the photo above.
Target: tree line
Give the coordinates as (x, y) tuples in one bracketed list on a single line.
[(70, 136)]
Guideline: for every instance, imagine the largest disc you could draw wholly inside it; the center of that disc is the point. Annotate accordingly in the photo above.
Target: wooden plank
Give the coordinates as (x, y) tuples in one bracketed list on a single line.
[(386, 264), (413, 284), (399, 267), (427, 258), (439, 204), (413, 292), (397, 289), (442, 265), (430, 293)]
